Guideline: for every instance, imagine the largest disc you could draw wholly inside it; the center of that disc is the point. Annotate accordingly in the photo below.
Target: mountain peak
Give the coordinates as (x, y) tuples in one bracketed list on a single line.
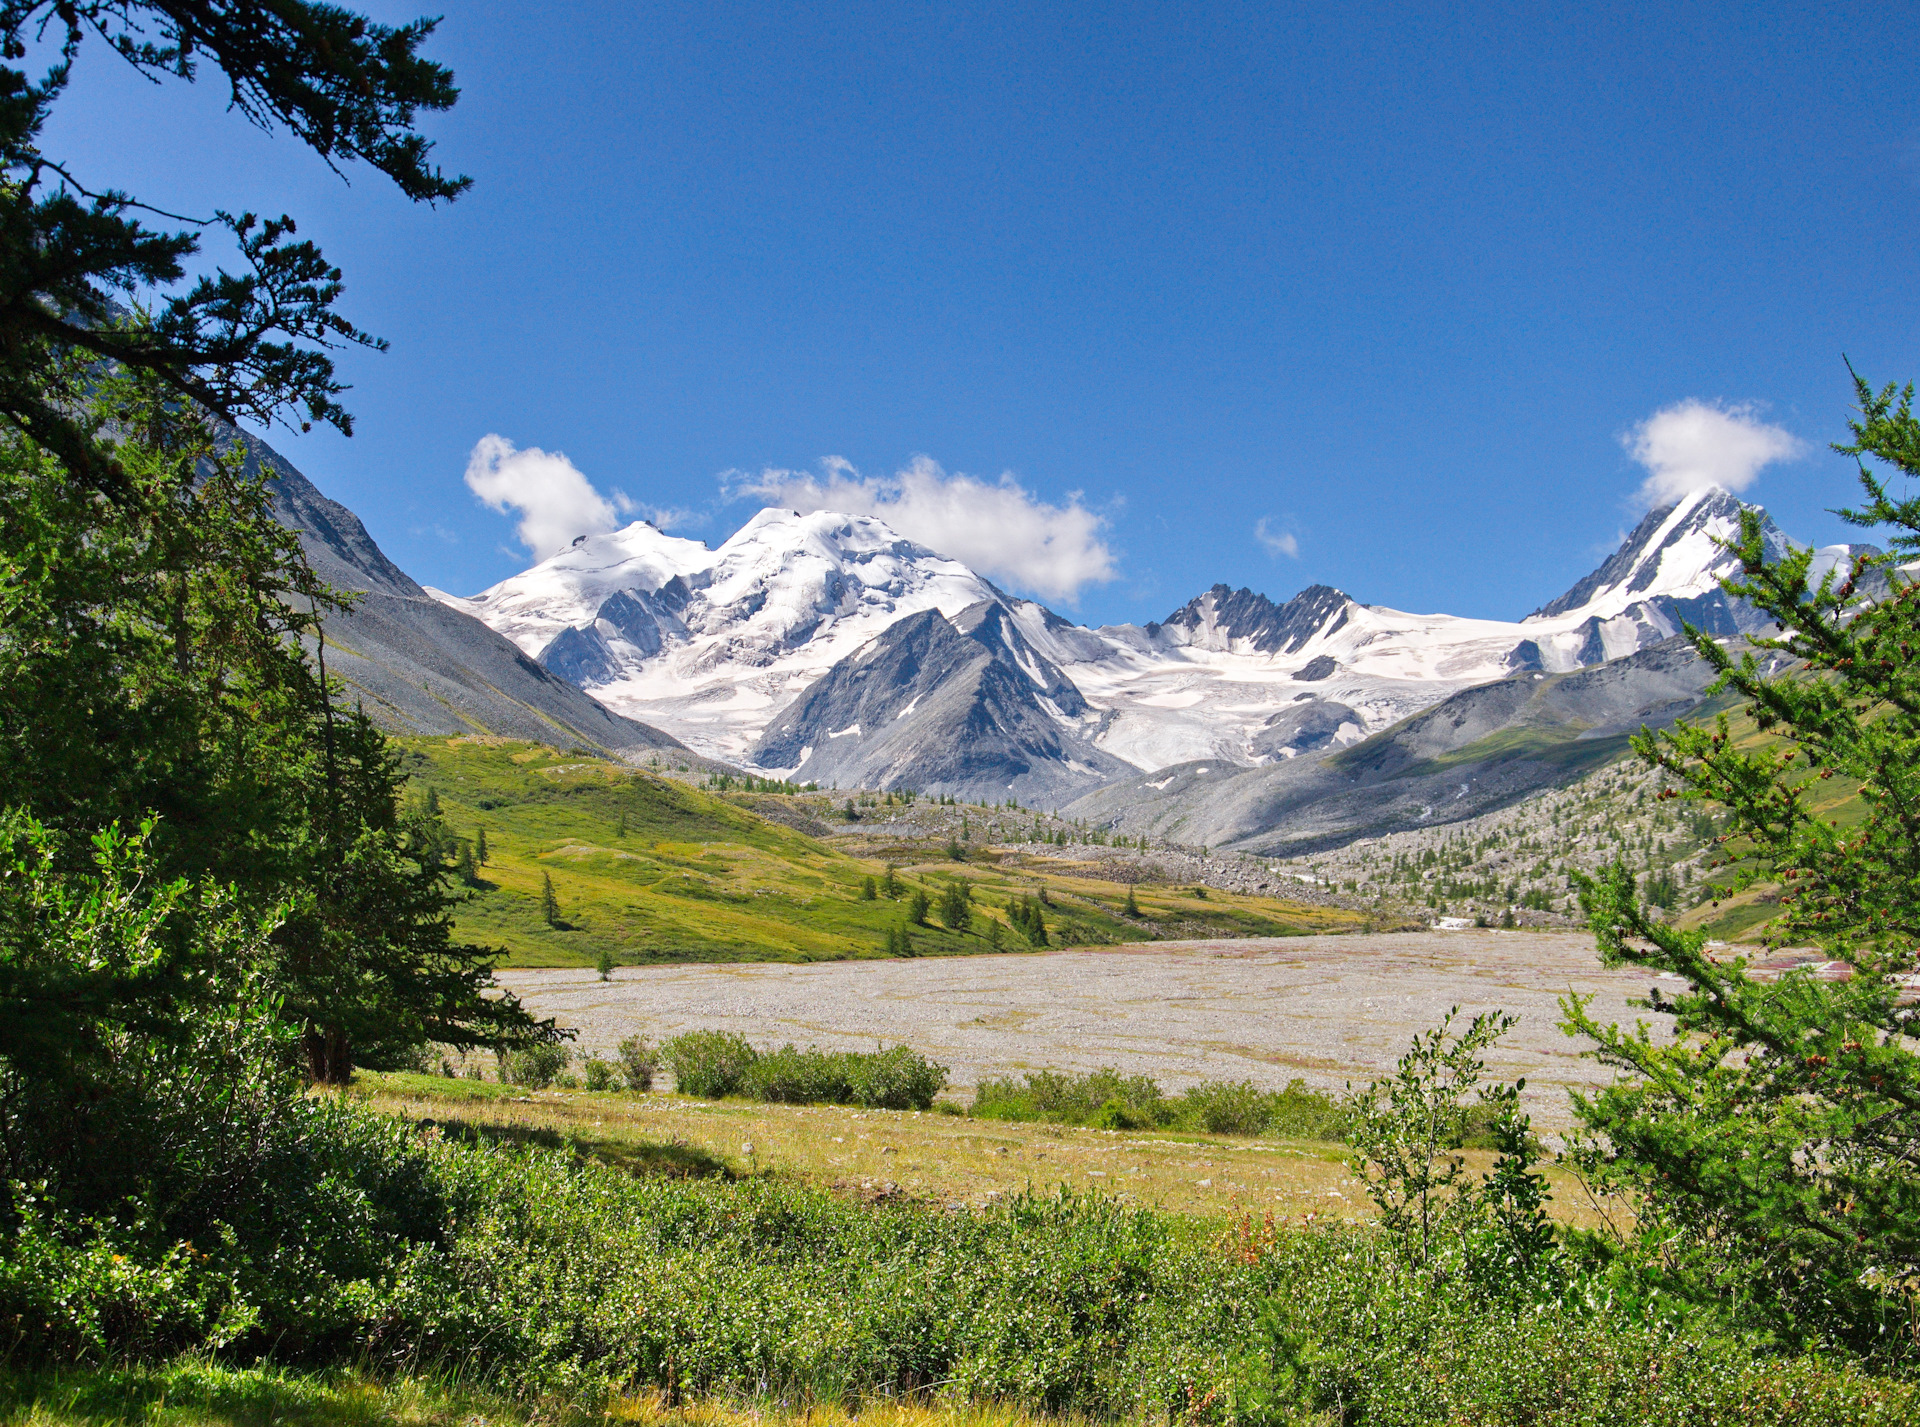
[(1223, 617), (1674, 551)]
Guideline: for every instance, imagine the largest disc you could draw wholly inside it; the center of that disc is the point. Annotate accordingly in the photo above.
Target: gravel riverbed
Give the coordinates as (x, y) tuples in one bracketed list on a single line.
[(1327, 1009)]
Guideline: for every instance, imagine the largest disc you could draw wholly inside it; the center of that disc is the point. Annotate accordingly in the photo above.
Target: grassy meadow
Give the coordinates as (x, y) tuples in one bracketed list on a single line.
[(647, 869), (937, 1158)]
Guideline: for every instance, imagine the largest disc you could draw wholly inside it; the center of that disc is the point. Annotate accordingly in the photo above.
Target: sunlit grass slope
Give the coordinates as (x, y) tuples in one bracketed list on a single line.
[(1746, 914), (194, 1393), (649, 870)]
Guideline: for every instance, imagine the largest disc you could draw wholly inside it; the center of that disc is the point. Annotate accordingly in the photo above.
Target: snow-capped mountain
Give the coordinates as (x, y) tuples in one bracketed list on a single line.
[(831, 648), (1233, 676), (716, 642)]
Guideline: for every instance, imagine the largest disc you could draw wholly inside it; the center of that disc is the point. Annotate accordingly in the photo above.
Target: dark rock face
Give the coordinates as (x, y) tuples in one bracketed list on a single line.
[(1269, 628), (1306, 727), (1319, 667), (963, 706), (630, 624), (1524, 658), (417, 666)]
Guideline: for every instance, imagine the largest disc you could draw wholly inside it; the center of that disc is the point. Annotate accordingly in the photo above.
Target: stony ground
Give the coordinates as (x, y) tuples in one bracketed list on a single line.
[(1328, 1010)]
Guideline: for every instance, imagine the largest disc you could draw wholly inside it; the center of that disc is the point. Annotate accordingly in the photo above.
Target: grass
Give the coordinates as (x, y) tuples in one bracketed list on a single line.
[(944, 1158), (193, 1392), (697, 876)]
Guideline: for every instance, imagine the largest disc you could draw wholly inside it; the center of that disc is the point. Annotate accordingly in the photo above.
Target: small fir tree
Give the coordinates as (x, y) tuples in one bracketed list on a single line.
[(549, 903), (956, 913), (868, 891), (480, 854)]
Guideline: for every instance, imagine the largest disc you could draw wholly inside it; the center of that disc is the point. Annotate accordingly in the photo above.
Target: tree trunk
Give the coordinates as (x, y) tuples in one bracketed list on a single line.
[(329, 1056)]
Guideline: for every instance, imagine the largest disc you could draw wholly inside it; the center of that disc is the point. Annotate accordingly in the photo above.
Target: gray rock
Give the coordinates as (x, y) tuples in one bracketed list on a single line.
[(417, 666), (963, 706)]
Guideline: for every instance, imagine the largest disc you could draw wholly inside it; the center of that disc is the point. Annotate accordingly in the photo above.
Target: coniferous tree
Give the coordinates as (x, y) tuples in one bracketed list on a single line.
[(917, 907), (549, 903), (868, 890), (151, 667), (480, 847), (956, 912), (250, 344), (1770, 1151)]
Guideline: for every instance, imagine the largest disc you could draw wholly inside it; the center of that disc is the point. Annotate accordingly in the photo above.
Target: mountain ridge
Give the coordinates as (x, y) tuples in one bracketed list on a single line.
[(414, 664)]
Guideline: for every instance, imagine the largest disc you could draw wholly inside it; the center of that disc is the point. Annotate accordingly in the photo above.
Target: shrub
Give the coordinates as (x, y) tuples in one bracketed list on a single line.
[(599, 1074), (1301, 1113), (1107, 1099), (638, 1062), (801, 1077), (1223, 1107), (534, 1067), (896, 1079), (707, 1064), (1071, 1099)]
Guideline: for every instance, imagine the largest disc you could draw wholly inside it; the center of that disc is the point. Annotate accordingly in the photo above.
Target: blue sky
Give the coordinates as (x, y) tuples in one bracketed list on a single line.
[(1395, 281)]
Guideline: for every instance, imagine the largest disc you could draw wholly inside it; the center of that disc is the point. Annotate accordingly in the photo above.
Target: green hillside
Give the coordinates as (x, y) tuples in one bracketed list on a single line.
[(649, 870)]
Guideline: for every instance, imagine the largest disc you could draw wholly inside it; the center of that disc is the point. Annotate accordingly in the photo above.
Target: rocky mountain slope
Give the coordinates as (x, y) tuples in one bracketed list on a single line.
[(415, 664), (1478, 749), (965, 705)]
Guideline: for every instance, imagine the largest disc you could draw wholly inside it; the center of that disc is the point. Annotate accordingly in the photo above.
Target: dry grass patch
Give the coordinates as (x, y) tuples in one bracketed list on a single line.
[(934, 1156)]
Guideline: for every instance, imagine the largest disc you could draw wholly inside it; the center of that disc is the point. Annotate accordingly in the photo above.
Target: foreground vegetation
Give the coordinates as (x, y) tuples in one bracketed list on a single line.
[(198, 1392), (530, 1271)]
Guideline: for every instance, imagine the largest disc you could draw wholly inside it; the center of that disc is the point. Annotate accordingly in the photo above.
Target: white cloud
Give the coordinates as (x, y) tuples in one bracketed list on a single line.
[(661, 517), (1276, 542), (1694, 444), (555, 502), (997, 527)]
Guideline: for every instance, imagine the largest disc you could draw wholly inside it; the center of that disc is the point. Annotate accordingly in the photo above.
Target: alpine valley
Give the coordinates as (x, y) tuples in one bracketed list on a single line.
[(827, 648)]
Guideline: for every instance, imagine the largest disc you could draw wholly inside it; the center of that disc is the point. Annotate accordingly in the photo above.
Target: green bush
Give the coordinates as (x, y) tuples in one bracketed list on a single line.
[(1106, 1099), (801, 1077), (1227, 1107), (638, 1062), (896, 1079), (707, 1064), (1070, 1099), (598, 1075), (535, 1067)]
